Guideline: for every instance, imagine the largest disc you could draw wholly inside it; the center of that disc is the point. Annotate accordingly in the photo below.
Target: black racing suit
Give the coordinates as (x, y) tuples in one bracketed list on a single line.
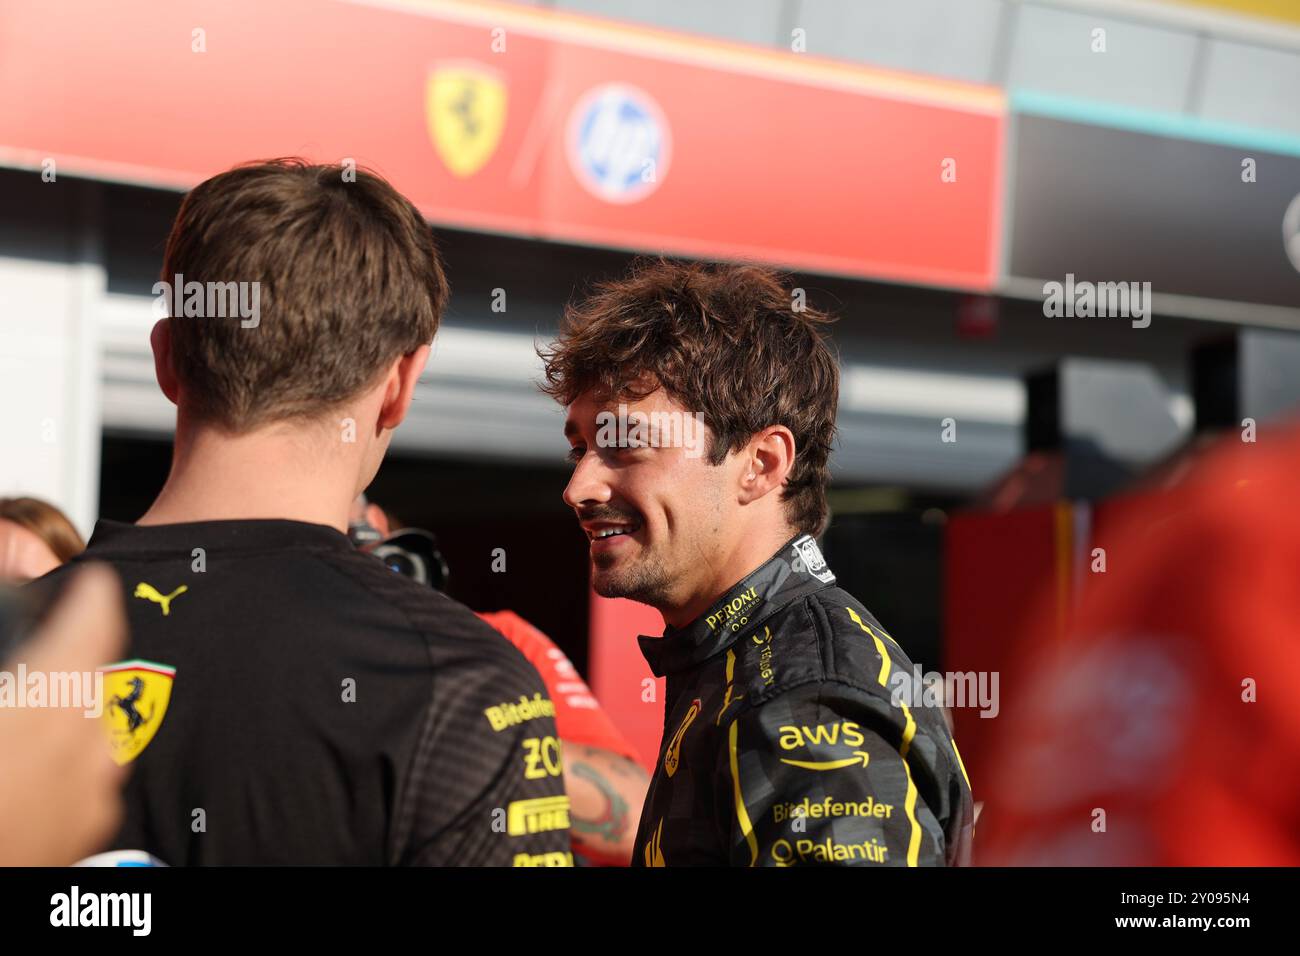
[(786, 741), (286, 699)]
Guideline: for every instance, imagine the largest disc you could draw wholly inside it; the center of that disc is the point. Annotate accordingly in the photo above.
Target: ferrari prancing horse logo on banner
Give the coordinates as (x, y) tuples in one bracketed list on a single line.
[(465, 105), (136, 694)]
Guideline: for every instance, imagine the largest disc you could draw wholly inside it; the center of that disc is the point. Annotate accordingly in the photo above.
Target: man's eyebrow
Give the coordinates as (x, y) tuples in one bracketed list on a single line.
[(570, 428)]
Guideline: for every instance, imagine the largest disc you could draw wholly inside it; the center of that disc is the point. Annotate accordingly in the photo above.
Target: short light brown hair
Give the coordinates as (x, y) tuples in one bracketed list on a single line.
[(349, 279), (46, 522), (724, 340)]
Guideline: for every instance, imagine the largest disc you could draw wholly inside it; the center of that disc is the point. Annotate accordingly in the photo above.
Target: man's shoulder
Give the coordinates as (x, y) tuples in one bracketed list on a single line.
[(453, 632), (827, 637), (353, 589), (826, 657), (860, 644)]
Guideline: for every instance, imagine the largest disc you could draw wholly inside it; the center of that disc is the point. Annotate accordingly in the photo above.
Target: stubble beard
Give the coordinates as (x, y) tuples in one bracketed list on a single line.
[(644, 580)]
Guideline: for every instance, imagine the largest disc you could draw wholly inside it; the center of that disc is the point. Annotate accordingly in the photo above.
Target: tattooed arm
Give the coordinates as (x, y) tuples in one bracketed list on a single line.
[(606, 791)]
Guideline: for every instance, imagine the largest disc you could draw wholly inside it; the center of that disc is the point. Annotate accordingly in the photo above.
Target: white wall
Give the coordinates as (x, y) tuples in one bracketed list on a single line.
[(49, 351)]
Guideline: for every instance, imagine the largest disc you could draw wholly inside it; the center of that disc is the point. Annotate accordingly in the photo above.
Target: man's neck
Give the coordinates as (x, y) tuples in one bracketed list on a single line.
[(269, 473), (753, 550)]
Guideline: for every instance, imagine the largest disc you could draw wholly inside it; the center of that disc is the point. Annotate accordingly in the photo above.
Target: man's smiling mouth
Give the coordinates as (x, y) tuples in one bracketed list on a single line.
[(606, 530)]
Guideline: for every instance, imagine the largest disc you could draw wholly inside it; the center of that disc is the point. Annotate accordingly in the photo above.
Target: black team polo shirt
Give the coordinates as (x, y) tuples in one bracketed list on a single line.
[(286, 699)]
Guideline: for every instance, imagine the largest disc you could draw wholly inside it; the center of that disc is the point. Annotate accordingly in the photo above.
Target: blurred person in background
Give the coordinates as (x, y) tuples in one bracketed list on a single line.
[(1166, 730), (287, 699), (60, 791), (781, 745), (602, 774), (35, 538), (605, 781)]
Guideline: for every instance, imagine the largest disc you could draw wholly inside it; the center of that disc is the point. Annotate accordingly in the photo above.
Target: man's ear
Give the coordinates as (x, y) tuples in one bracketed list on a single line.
[(769, 457), (400, 386), (161, 340)]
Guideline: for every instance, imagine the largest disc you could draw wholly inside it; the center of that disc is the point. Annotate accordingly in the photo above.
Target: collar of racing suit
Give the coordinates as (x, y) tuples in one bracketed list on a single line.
[(796, 570)]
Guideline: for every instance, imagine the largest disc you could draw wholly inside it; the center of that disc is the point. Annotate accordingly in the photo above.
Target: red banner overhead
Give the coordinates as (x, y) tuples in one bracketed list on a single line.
[(526, 122)]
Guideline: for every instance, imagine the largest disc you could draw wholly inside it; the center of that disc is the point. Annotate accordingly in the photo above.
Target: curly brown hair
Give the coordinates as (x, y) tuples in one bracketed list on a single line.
[(728, 341)]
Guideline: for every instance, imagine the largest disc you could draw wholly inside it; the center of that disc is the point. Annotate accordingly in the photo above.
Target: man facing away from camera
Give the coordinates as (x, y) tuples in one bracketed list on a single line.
[(700, 413), (286, 699)]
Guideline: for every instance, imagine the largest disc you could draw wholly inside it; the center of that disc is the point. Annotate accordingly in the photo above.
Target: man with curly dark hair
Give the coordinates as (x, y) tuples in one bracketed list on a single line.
[(701, 405)]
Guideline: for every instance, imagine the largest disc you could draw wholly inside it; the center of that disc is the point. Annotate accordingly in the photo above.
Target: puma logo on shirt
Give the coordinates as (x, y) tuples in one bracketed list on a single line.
[(151, 593)]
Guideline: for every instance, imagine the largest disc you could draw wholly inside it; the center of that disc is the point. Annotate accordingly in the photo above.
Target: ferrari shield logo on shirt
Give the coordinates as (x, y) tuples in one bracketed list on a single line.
[(136, 694), (465, 105)]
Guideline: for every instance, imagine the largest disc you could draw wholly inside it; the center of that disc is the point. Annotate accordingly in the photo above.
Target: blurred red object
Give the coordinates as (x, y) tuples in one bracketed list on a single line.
[(977, 317), (1165, 729), (579, 717)]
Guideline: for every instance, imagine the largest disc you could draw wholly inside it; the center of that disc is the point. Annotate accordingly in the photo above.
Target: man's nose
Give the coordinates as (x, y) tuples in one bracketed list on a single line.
[(587, 485)]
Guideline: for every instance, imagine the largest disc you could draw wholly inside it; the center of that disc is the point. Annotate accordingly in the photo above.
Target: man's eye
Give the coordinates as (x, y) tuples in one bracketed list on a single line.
[(575, 454)]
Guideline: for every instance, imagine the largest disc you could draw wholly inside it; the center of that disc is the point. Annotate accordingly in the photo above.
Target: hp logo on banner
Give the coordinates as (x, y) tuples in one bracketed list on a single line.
[(618, 143)]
